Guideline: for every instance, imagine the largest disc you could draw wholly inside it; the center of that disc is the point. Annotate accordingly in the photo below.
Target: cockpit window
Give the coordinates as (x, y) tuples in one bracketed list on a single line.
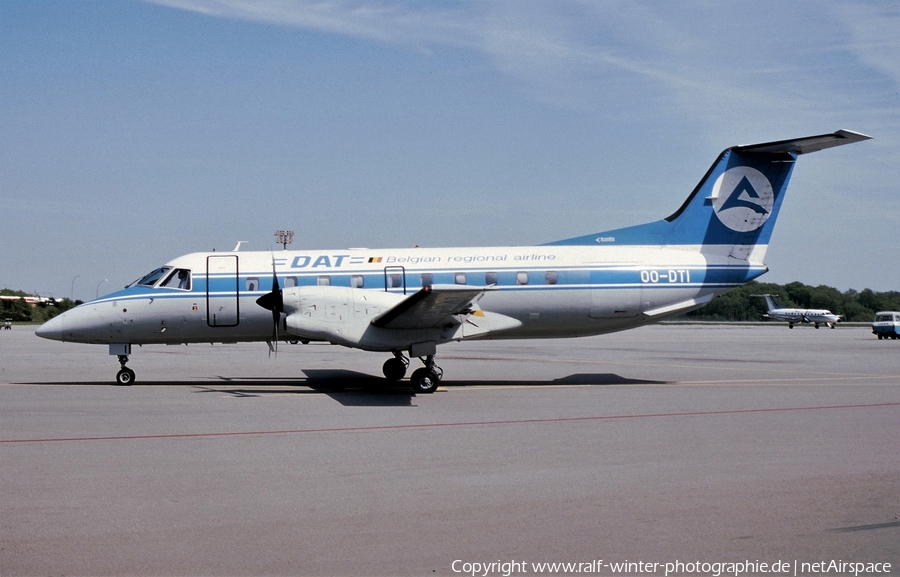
[(180, 278), (152, 278)]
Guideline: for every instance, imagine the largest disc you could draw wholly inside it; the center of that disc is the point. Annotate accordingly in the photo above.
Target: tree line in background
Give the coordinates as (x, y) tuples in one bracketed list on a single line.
[(19, 311), (738, 305)]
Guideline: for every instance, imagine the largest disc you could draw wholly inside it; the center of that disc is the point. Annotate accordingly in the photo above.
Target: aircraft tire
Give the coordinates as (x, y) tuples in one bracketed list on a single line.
[(393, 369), (424, 381), (125, 377)]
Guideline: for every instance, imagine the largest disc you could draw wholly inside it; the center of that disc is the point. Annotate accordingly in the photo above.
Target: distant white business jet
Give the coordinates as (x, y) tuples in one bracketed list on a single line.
[(792, 316), (408, 301)]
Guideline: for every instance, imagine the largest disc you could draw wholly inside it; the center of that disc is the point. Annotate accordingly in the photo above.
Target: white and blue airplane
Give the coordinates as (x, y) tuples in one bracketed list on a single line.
[(793, 316), (408, 301)]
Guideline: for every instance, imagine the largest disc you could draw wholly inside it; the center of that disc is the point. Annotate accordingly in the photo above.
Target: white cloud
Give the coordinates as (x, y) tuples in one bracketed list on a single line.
[(876, 32), (720, 69), (387, 22)]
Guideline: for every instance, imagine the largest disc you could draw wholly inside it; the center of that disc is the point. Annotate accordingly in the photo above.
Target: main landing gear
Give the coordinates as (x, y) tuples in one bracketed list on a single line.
[(424, 380), (125, 376), (394, 369)]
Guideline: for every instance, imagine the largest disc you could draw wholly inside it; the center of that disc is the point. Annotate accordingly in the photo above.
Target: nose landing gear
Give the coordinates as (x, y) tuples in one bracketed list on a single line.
[(125, 376)]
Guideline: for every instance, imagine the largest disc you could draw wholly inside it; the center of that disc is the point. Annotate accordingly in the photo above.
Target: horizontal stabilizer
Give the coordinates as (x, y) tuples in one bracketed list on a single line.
[(433, 306), (806, 144)]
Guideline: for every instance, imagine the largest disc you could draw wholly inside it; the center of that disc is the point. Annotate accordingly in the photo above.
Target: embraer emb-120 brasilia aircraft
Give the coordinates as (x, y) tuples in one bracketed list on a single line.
[(792, 316), (408, 301)]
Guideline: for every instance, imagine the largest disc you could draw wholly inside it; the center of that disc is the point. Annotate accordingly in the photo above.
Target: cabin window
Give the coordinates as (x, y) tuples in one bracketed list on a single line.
[(427, 279), (252, 283), (395, 280), (180, 278), (357, 281), (324, 280), (459, 278), (491, 278), (552, 277), (290, 281), (522, 277)]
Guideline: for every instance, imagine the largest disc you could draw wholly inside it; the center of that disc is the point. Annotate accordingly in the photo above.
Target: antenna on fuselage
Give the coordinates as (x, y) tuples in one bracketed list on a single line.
[(237, 247)]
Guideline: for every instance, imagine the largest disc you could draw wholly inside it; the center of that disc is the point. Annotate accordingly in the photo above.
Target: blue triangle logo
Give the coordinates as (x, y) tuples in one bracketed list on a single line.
[(735, 200)]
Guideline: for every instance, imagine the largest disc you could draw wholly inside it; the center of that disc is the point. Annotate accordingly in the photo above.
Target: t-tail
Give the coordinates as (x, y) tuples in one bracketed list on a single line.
[(771, 305), (733, 209)]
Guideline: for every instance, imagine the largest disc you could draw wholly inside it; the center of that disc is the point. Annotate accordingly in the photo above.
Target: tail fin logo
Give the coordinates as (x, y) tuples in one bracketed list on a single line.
[(742, 198)]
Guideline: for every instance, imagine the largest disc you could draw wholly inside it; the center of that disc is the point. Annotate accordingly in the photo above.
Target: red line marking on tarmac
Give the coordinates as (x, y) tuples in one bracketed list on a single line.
[(438, 425)]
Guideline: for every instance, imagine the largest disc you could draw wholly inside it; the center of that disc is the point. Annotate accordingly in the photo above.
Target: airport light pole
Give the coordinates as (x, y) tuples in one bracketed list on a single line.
[(72, 293), (284, 237), (98, 287)]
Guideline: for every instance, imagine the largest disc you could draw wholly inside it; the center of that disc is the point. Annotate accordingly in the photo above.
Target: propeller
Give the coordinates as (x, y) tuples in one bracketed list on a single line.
[(273, 301)]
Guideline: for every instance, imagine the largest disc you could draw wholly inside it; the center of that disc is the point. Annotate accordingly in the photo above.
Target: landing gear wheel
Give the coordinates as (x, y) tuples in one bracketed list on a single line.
[(394, 369), (424, 381), (125, 377)]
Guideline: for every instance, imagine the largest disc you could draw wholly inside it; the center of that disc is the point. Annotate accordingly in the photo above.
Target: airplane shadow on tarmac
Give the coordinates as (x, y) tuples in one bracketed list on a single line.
[(353, 388)]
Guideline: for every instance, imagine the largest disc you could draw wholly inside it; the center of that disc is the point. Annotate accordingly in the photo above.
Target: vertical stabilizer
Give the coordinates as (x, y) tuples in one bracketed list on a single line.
[(732, 211)]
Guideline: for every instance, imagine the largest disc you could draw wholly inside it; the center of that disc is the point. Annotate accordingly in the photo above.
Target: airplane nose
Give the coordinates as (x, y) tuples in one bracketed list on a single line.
[(52, 329)]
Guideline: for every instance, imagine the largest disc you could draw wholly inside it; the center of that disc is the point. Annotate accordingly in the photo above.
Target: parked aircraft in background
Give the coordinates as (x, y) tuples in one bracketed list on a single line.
[(793, 316), (408, 301)]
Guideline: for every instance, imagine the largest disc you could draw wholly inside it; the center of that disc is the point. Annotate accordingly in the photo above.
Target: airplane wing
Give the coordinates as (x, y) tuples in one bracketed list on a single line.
[(430, 307)]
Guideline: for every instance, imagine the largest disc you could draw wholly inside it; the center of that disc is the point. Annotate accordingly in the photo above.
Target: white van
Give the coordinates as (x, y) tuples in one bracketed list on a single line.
[(886, 325)]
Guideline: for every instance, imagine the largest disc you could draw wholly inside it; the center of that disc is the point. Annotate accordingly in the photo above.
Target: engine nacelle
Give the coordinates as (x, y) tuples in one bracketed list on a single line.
[(343, 315)]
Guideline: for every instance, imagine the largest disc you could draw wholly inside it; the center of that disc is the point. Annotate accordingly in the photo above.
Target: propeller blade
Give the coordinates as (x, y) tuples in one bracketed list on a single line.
[(273, 301)]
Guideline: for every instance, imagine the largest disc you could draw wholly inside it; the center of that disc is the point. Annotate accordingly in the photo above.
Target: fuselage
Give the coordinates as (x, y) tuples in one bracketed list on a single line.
[(553, 291)]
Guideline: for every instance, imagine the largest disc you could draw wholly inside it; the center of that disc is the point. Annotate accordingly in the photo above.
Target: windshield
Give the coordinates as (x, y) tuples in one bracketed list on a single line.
[(179, 278), (150, 279)]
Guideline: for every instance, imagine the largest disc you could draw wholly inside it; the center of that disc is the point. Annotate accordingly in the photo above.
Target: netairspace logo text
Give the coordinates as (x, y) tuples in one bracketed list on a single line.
[(716, 569)]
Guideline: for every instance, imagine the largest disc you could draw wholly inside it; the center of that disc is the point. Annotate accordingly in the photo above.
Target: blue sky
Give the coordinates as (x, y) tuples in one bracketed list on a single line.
[(134, 132)]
